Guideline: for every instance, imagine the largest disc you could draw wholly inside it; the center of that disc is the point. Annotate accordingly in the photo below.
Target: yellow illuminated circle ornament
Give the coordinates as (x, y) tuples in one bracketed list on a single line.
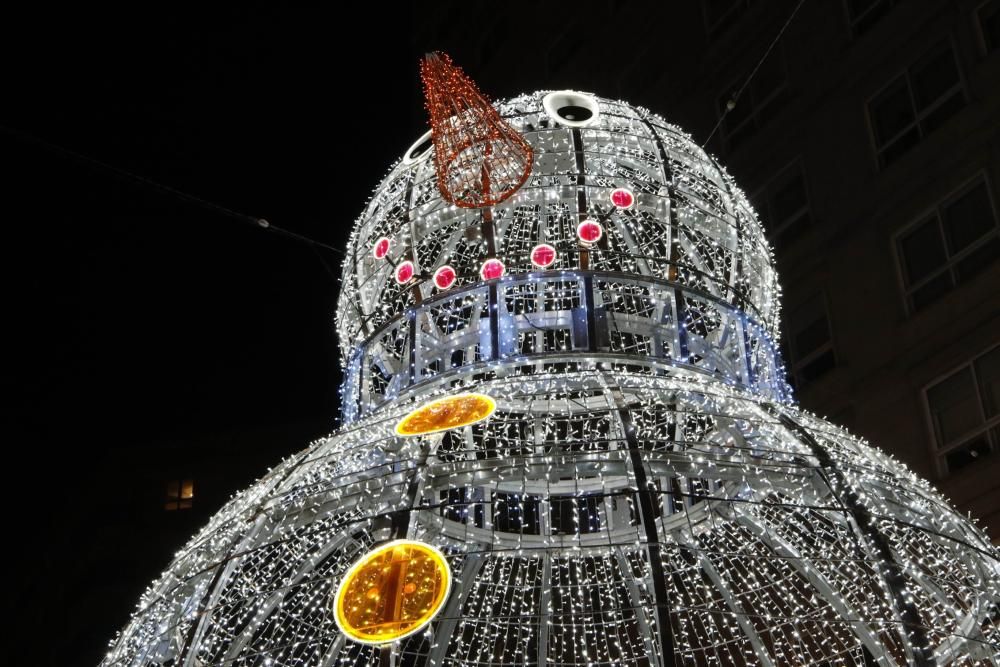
[(392, 592), (447, 413)]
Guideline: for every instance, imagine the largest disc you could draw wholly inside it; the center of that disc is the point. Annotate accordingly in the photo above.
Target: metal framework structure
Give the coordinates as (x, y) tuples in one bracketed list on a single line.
[(645, 494)]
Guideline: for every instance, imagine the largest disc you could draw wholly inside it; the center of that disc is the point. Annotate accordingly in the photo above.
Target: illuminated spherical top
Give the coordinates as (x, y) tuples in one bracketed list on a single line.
[(627, 241), (668, 211)]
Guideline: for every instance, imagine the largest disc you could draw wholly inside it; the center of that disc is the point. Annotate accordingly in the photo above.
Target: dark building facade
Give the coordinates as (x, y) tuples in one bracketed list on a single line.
[(870, 145)]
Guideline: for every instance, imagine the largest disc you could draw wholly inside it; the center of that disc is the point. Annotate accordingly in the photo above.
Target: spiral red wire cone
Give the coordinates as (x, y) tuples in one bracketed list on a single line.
[(481, 159)]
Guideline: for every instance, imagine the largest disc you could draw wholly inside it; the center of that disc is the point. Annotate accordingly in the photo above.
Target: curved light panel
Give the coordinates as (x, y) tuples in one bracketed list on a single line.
[(446, 413)]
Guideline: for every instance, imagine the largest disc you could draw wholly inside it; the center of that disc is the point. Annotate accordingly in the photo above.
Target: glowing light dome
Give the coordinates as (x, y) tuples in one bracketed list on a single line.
[(645, 491)]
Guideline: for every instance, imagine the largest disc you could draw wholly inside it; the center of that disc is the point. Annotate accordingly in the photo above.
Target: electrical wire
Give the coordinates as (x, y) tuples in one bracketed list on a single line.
[(731, 103), (260, 223)]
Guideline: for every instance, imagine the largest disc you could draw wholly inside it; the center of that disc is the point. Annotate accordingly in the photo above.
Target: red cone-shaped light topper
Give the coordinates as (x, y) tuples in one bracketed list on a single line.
[(481, 159)]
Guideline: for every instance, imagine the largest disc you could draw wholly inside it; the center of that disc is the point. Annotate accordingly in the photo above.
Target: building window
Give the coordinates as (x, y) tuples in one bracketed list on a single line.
[(958, 240), (784, 206), (180, 494), (989, 25), (810, 342), (965, 412), (863, 14), (720, 14), (572, 515), (759, 103), (916, 103)]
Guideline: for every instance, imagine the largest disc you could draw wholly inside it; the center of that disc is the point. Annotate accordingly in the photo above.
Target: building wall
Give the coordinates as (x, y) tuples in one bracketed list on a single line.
[(666, 57)]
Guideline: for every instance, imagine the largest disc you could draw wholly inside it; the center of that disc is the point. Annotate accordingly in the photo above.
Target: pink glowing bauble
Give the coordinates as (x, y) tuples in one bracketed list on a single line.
[(381, 248), (404, 272), (589, 232), (622, 198), (492, 269), (444, 277), (543, 255)]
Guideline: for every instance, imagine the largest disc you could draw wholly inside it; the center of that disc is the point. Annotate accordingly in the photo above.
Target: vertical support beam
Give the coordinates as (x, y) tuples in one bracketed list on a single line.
[(669, 348), (668, 180), (636, 597), (892, 572), (402, 518), (785, 549), (333, 651), (186, 656), (365, 329), (544, 600), (751, 378), (494, 308), (400, 528), (739, 298), (351, 386), (444, 629), (588, 295), (581, 190), (412, 250), (646, 491), (411, 317), (682, 338), (489, 231)]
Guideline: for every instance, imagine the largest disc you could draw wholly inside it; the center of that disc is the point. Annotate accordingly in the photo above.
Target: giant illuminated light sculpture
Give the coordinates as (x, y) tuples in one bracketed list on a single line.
[(621, 478)]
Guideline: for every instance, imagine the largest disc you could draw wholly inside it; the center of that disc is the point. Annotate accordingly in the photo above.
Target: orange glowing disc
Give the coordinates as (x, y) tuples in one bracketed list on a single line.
[(392, 592), (447, 413)]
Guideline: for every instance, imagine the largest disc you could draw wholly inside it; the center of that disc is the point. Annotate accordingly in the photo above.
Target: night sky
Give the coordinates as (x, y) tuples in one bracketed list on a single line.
[(150, 338), (146, 331)]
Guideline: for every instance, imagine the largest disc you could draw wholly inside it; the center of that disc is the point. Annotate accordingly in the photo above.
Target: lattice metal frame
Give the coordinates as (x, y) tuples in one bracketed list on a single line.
[(645, 494)]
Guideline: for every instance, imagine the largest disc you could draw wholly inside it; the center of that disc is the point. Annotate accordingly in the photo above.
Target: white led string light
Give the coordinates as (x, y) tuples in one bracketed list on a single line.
[(645, 492)]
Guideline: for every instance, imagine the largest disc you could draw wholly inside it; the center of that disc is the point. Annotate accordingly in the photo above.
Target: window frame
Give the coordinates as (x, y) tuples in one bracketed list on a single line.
[(763, 194), (720, 25), (179, 502), (984, 49), (853, 21), (795, 364), (918, 116), (936, 211), (940, 452)]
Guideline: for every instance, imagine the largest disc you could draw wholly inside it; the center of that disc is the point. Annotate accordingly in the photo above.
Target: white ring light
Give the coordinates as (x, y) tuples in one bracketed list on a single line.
[(409, 158), (570, 108)]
